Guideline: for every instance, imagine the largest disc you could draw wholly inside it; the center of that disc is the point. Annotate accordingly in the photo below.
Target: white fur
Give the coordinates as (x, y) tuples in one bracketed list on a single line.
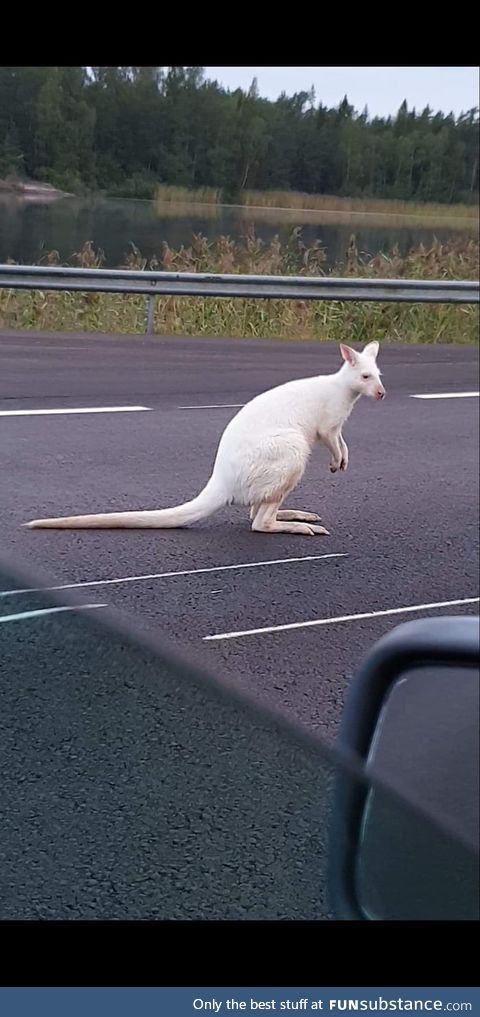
[(264, 450)]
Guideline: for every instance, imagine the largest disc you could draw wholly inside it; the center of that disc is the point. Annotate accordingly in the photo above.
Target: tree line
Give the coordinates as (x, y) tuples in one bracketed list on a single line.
[(124, 130)]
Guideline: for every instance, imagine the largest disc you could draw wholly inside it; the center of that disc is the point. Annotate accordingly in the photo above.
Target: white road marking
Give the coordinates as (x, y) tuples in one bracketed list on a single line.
[(447, 395), (214, 406), (169, 575), (48, 610), (342, 618), (83, 409)]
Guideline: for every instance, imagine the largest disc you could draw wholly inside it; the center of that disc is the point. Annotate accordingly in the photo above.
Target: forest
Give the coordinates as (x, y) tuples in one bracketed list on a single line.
[(125, 131)]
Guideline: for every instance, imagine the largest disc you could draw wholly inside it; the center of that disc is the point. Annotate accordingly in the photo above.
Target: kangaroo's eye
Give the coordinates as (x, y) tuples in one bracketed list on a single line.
[(366, 377)]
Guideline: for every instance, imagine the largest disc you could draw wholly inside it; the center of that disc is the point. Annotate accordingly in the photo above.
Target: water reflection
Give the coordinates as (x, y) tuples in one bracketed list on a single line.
[(29, 228)]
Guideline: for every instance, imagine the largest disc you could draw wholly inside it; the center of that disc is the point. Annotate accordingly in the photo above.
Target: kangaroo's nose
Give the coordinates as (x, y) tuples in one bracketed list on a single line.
[(381, 393)]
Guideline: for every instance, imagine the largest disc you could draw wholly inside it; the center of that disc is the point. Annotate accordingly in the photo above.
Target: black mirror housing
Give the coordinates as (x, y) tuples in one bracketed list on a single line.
[(418, 687)]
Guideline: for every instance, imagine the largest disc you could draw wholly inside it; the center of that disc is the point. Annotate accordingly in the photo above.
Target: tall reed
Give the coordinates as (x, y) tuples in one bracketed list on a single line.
[(290, 319)]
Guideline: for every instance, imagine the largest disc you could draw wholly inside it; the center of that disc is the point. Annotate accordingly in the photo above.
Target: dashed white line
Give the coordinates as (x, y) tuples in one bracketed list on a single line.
[(48, 610), (343, 618), (81, 409), (447, 395), (169, 575), (214, 406)]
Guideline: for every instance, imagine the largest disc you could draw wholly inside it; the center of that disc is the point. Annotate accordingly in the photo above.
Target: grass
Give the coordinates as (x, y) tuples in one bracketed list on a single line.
[(374, 206), (169, 194), (320, 203), (284, 217), (321, 320)]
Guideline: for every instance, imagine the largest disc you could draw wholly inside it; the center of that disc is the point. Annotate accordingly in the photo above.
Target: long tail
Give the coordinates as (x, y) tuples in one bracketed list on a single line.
[(210, 500)]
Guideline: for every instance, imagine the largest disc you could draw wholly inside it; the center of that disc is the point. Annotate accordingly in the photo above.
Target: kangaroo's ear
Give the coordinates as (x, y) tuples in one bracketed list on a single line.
[(371, 349), (348, 354)]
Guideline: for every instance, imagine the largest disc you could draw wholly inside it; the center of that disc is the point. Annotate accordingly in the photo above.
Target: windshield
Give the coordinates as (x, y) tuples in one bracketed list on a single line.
[(133, 786)]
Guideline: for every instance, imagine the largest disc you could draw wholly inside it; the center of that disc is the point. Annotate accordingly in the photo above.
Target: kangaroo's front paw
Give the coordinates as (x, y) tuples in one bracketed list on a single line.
[(344, 454), (335, 465)]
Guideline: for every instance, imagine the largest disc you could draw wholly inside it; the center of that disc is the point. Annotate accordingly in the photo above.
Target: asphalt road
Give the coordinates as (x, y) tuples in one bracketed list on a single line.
[(130, 790), (127, 792), (403, 519)]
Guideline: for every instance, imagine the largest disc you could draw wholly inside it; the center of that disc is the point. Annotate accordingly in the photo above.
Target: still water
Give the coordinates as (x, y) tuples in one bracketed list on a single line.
[(29, 228)]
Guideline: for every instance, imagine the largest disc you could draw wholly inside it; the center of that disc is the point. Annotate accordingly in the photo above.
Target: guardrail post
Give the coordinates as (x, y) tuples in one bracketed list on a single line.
[(149, 313)]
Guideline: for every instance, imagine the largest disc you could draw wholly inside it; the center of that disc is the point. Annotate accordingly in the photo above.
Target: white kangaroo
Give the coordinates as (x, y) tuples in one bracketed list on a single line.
[(263, 453)]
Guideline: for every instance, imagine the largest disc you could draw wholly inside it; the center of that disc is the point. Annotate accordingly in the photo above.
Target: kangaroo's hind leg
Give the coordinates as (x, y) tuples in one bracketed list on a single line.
[(290, 515), (266, 521), (279, 468)]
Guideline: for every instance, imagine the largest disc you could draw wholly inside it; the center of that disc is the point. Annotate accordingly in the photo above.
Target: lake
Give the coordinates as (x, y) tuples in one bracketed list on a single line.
[(30, 227)]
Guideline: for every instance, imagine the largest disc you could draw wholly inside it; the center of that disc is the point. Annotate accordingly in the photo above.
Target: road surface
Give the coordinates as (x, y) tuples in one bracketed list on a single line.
[(403, 519), (126, 793)]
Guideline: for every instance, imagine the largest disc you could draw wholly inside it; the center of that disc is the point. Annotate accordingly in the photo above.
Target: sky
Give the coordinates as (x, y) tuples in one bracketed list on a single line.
[(382, 89)]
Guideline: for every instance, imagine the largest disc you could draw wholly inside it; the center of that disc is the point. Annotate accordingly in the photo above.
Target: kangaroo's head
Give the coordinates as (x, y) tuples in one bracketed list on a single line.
[(361, 370)]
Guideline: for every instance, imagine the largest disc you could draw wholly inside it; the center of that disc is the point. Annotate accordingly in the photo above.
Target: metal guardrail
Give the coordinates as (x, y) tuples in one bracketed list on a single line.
[(264, 287)]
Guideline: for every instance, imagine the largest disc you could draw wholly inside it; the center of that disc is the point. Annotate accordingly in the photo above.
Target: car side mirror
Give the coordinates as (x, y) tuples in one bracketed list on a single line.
[(406, 844)]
